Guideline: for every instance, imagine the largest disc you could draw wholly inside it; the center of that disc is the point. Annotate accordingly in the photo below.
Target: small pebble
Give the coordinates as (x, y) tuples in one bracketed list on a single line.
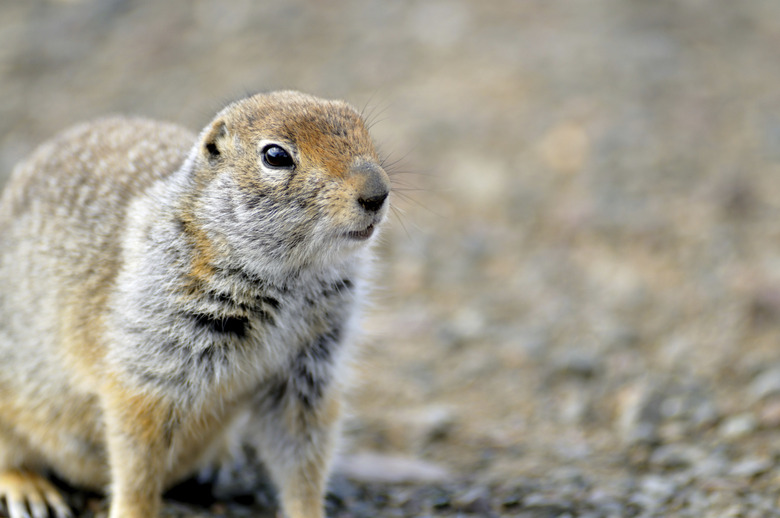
[(751, 467), (769, 413), (765, 384), (738, 426), (390, 469), (659, 487), (675, 456), (474, 500)]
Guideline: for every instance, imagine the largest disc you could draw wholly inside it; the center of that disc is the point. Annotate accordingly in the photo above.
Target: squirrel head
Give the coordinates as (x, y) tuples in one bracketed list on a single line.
[(287, 178)]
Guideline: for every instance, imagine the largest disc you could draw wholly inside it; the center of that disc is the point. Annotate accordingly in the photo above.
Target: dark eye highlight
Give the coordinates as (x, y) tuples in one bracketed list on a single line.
[(276, 157)]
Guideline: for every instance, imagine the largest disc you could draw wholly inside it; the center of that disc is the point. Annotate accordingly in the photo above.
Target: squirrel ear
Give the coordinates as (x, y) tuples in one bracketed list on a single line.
[(214, 142)]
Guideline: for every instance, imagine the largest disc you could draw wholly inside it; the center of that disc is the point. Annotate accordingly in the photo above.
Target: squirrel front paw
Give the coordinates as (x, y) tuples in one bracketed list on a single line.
[(28, 494)]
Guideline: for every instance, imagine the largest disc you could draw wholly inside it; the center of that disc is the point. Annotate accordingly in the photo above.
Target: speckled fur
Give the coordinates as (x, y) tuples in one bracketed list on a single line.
[(153, 292)]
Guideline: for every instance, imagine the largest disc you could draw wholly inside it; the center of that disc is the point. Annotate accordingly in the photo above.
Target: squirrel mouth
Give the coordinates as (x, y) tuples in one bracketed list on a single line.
[(361, 235)]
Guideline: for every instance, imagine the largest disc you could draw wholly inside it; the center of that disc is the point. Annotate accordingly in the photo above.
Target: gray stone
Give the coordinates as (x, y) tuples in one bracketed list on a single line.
[(676, 456), (751, 467), (576, 365), (389, 469), (738, 426), (475, 500), (765, 384)]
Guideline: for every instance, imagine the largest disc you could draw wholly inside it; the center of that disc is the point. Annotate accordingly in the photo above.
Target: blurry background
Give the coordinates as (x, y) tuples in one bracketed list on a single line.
[(579, 296)]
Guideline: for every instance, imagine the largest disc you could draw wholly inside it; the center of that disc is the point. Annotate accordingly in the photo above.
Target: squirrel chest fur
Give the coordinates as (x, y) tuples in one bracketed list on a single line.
[(155, 286)]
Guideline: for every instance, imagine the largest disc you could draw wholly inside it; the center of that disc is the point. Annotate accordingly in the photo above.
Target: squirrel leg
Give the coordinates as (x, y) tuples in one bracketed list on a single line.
[(139, 431), (296, 442)]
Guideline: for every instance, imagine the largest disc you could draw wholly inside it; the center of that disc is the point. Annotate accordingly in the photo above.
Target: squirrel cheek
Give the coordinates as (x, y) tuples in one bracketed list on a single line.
[(339, 211)]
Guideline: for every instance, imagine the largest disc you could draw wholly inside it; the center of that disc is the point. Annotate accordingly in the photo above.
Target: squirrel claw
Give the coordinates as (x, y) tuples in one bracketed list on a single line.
[(28, 495)]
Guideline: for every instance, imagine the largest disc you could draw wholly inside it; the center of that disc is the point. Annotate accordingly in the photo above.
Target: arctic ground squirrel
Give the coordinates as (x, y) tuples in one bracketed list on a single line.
[(156, 287)]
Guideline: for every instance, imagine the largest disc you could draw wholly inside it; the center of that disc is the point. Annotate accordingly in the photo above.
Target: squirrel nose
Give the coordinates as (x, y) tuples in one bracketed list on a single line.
[(375, 189), (374, 203)]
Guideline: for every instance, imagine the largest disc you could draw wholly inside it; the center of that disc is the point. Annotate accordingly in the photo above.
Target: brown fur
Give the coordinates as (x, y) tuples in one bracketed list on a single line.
[(152, 292)]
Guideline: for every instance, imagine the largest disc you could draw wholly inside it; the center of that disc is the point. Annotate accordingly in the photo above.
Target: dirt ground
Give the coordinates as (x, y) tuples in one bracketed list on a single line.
[(578, 299)]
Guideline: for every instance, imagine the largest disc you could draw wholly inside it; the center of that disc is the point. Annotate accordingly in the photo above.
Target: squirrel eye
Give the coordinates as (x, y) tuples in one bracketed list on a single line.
[(275, 156)]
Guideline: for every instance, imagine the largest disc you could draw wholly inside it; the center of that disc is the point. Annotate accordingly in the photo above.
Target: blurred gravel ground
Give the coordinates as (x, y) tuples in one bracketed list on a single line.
[(579, 298)]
